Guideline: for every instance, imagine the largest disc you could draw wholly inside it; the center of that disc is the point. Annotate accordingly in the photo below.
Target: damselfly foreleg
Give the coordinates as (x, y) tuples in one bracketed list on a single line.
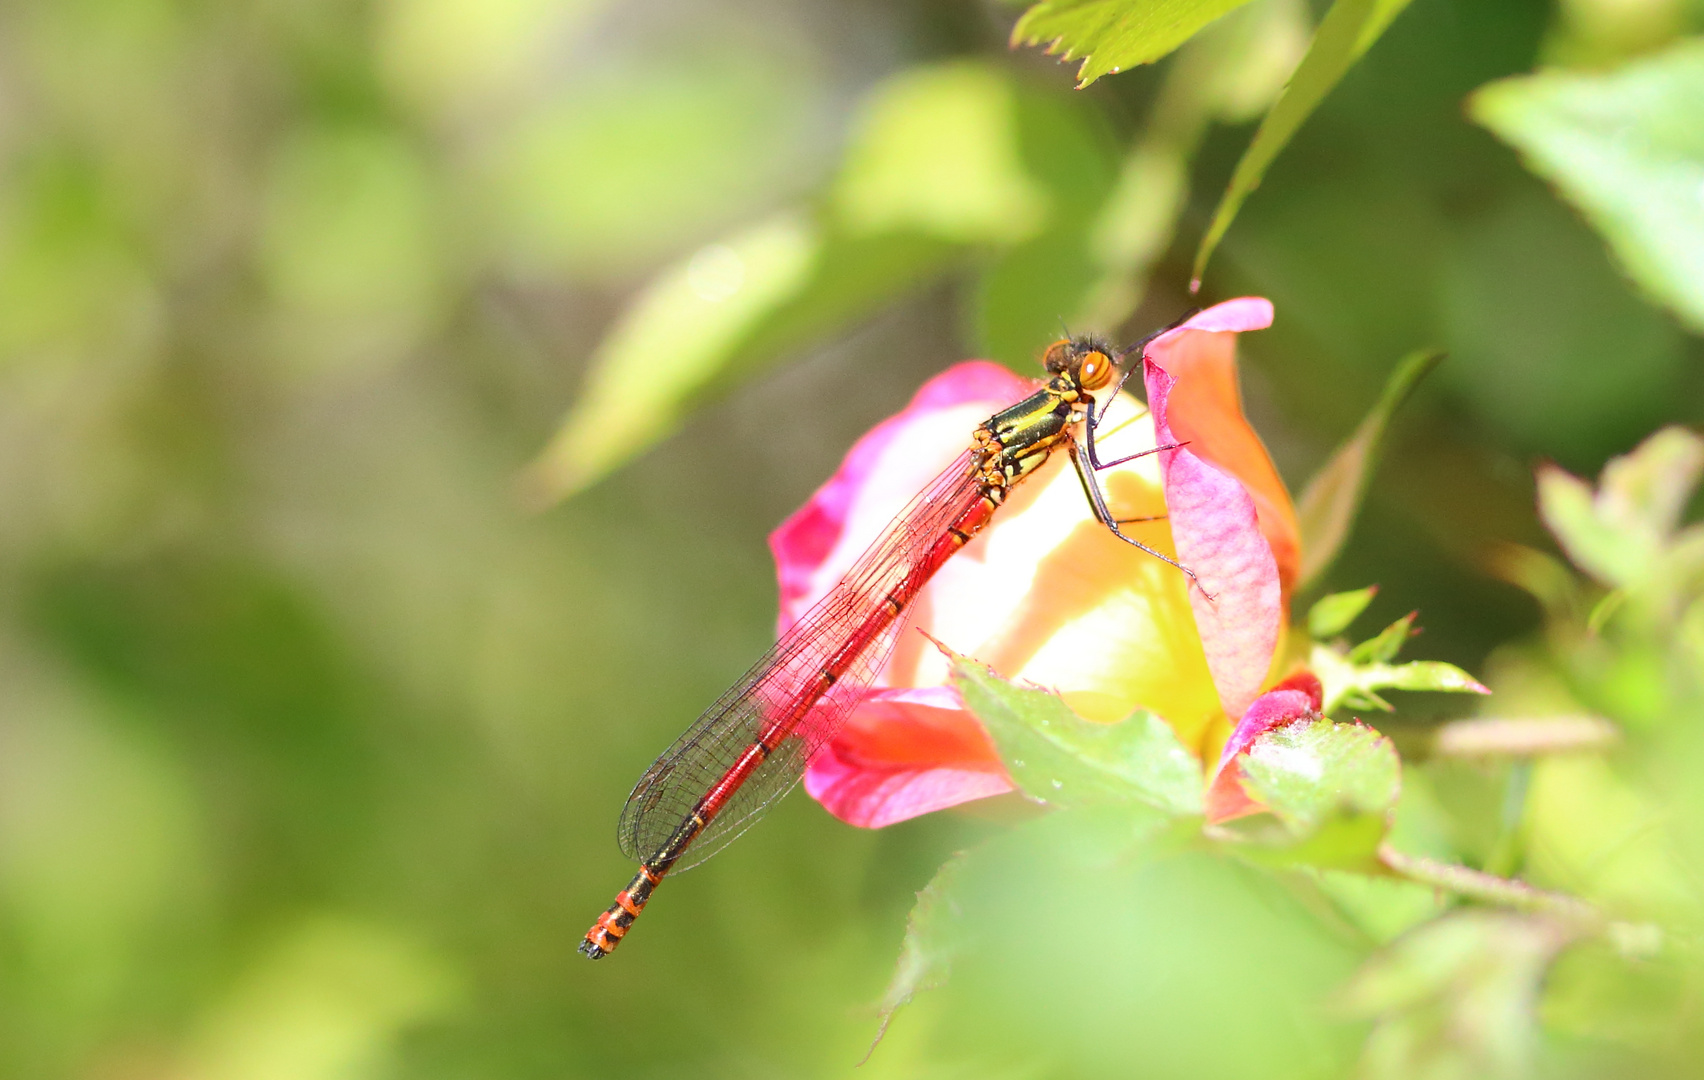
[(1097, 503)]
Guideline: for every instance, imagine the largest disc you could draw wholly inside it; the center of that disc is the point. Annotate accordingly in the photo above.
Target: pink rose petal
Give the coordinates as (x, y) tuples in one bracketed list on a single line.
[(1238, 607), (1205, 411), (804, 543), (1233, 316), (903, 754)]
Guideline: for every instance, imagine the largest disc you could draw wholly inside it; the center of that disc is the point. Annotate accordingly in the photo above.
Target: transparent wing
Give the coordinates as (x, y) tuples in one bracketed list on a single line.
[(850, 631)]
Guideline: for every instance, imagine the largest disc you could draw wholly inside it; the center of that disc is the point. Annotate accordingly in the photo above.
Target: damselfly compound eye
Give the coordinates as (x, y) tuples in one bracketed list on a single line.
[(1096, 370)]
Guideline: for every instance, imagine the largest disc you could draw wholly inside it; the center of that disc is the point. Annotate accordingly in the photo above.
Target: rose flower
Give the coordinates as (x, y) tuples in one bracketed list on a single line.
[(1046, 595)]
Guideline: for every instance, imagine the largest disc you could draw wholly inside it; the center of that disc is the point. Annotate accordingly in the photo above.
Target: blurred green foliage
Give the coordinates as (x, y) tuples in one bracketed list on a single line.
[(1625, 148), (311, 734)]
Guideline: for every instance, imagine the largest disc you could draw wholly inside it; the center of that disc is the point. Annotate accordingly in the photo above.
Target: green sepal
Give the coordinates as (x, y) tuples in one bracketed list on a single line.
[(1384, 647), (1353, 685)]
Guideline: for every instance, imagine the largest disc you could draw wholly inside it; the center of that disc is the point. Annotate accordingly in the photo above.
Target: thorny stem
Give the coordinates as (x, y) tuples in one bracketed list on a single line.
[(1575, 918), (1491, 889)]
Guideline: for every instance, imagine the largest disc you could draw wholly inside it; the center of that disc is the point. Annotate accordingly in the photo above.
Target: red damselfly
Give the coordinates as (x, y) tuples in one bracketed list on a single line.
[(753, 744)]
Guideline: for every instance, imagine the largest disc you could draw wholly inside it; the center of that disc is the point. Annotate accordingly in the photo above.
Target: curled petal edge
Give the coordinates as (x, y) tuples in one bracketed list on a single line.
[(903, 754), (1297, 698)]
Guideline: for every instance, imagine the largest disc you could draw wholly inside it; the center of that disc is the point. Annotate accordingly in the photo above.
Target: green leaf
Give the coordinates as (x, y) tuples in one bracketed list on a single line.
[(670, 345), (1328, 505), (1347, 31), (1384, 647), (1424, 675), (1381, 907), (1330, 788), (1340, 841), (1333, 614), (1624, 147), (1456, 996), (1648, 489), (1618, 532), (933, 937), (1592, 992), (1112, 35), (1308, 773), (1060, 758)]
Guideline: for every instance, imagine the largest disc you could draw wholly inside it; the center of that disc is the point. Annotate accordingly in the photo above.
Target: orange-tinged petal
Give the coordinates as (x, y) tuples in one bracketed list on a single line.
[(1238, 601), (1206, 412)]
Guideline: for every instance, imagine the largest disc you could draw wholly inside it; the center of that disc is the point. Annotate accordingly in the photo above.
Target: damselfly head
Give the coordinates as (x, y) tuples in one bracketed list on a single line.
[(1090, 362)]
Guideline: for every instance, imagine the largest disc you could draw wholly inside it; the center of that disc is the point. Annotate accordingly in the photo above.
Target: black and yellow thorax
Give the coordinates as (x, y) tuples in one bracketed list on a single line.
[(1015, 441)]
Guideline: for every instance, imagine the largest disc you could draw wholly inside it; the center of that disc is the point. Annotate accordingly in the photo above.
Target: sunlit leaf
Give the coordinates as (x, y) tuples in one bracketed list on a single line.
[(1112, 35), (936, 164), (1333, 614), (704, 324), (1058, 757), (1309, 772), (1626, 148), (1347, 31), (933, 937), (1326, 511)]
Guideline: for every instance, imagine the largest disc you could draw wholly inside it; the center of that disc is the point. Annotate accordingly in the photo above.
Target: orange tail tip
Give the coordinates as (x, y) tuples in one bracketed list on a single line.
[(592, 949), (612, 925)]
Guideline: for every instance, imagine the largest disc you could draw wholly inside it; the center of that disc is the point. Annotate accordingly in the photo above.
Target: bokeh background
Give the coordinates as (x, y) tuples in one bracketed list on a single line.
[(316, 710)]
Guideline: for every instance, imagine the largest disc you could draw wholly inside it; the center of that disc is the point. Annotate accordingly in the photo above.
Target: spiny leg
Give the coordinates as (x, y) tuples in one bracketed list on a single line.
[(1097, 504)]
